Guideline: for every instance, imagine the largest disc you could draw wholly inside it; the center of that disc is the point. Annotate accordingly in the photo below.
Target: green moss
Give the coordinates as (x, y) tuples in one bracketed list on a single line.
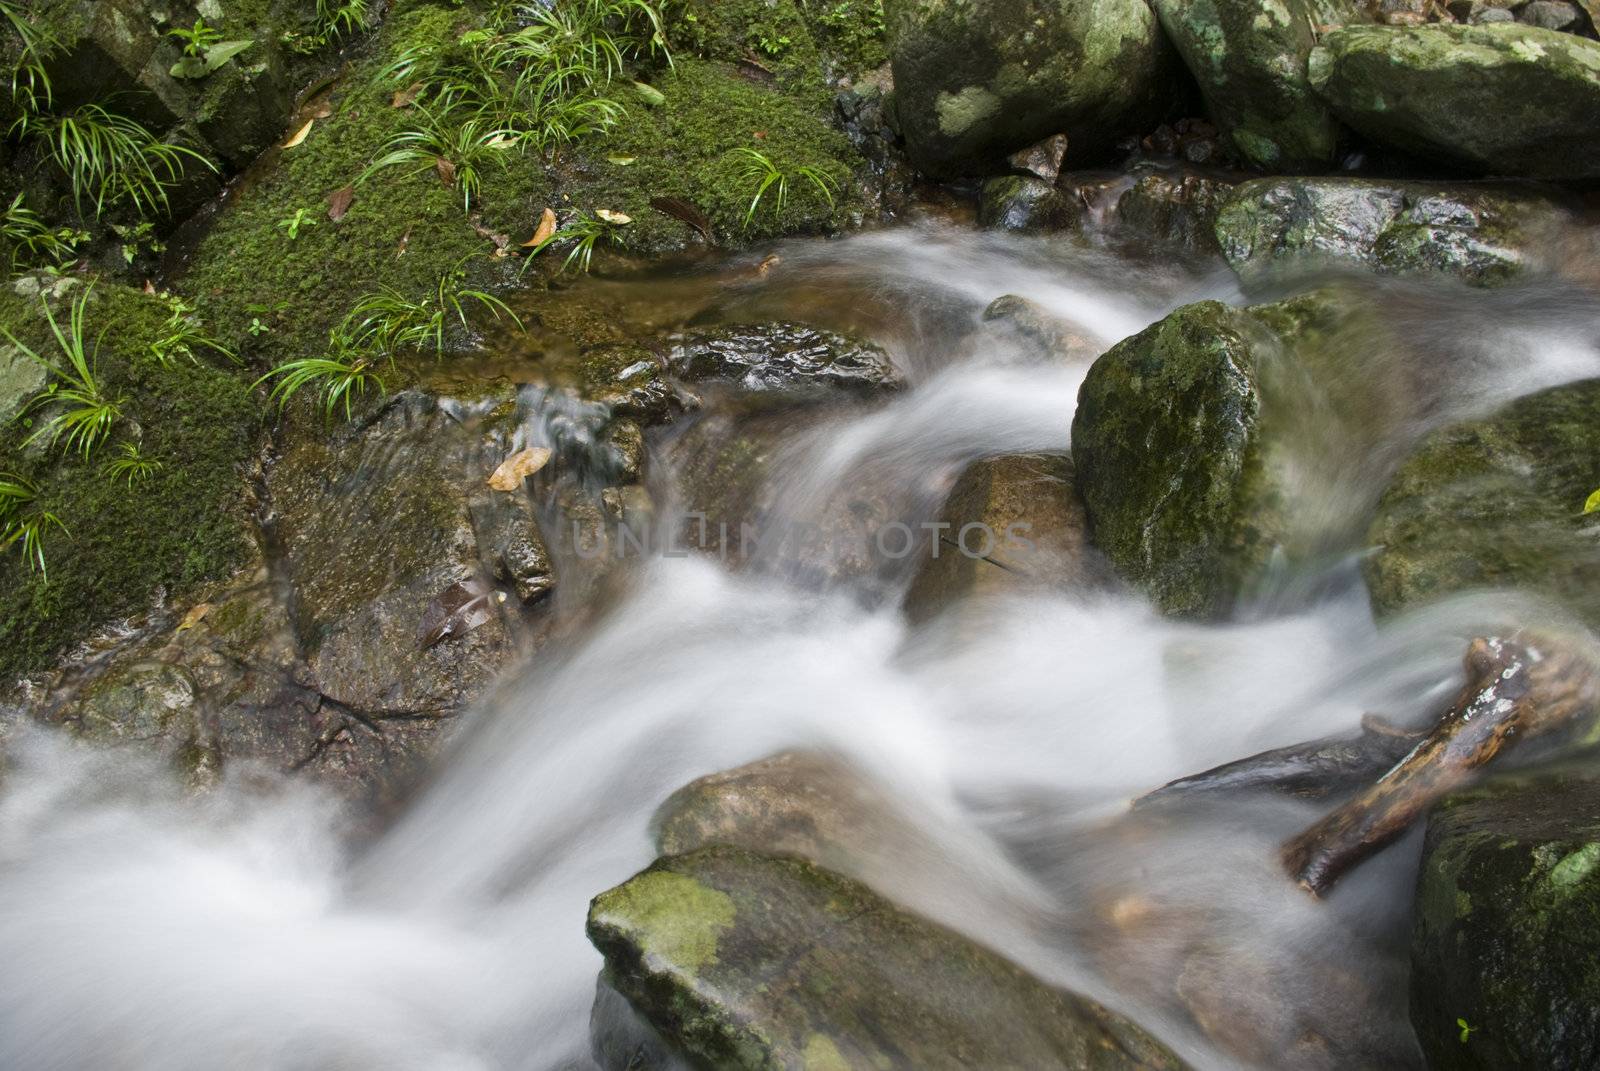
[(185, 525), (674, 918)]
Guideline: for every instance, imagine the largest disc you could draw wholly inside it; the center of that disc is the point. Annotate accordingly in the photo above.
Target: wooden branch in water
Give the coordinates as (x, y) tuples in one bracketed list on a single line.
[(1516, 691), (1311, 770)]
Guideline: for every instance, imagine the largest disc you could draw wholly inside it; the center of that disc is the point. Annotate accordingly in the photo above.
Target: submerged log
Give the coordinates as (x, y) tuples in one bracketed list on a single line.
[(1518, 691), (1311, 770)]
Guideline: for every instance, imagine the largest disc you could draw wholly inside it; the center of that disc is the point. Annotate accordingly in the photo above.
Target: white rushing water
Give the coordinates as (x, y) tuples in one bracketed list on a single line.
[(140, 928)]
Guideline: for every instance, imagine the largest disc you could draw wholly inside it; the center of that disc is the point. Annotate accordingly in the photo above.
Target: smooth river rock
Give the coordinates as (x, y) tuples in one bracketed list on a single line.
[(1481, 233), (976, 80), (1497, 502), (743, 960), (1249, 57), (1497, 98), (781, 356), (1506, 932)]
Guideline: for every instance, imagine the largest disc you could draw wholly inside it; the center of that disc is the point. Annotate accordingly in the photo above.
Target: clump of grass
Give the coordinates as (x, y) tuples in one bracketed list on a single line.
[(111, 159), (336, 19), (583, 233), (765, 176), (83, 411), (183, 336), (377, 329), (20, 529), (130, 465), (456, 139), (30, 84), (32, 240)]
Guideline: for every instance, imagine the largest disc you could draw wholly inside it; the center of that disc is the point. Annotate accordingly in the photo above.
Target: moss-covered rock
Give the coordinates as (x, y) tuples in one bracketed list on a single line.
[(1479, 233), (122, 545), (1506, 932), (1496, 502), (978, 79), (749, 961), (1502, 98), (1249, 57), (1172, 210), (1212, 443)]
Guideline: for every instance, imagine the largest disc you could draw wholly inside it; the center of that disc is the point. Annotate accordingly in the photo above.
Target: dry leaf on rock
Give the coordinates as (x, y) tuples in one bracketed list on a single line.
[(405, 98), (547, 227), (458, 610), (300, 135), (447, 170), (339, 202), (195, 615), (518, 467)]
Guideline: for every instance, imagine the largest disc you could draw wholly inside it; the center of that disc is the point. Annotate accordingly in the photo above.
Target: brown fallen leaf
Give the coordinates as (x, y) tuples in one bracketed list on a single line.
[(458, 610), (547, 227), (405, 98), (518, 467), (324, 110), (339, 202), (768, 262), (502, 242), (300, 135), (405, 243), (195, 615), (679, 209), (447, 170)]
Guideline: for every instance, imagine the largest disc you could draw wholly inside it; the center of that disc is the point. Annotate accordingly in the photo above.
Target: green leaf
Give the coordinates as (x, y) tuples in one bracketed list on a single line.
[(215, 56), (1593, 503), (652, 96)]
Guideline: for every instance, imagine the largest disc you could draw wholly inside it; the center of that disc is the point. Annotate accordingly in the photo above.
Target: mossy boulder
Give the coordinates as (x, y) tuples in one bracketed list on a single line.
[(1204, 445), (1506, 931), (742, 960), (1480, 233), (1496, 503), (1249, 57), (975, 80), (1502, 98), (1172, 209)]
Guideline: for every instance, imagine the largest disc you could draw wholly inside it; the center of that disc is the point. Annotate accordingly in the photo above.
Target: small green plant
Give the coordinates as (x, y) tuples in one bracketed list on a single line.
[(258, 328), (759, 169), (301, 218), (197, 38), (83, 411), (387, 322), (338, 378), (130, 465), (183, 336), (1466, 1030), (583, 232), (110, 159), (30, 84), (26, 531), (335, 19), (456, 140), (32, 240), (139, 237), (774, 45)]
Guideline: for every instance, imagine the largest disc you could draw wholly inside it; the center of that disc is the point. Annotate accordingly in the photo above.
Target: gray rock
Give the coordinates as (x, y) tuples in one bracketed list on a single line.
[(1551, 14), (1509, 100), (1480, 233), (1172, 210), (1489, 14), (974, 82), (781, 356), (1042, 161)]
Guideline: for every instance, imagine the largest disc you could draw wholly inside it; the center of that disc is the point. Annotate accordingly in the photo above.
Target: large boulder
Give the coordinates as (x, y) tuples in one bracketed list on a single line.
[(1249, 57), (1505, 947), (1480, 233), (1497, 503), (978, 79), (742, 960), (1497, 98), (1220, 439)]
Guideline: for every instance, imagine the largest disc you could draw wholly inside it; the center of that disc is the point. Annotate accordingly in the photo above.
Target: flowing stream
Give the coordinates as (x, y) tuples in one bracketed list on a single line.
[(142, 928)]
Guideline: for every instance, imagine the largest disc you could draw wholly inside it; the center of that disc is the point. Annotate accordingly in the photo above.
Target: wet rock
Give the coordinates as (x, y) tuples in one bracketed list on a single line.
[(1480, 233), (1026, 205), (1198, 442), (1496, 502), (1173, 210), (1509, 100), (976, 82), (1249, 57), (1504, 935), (1012, 524), (20, 379), (743, 960), (1041, 335), (781, 356)]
